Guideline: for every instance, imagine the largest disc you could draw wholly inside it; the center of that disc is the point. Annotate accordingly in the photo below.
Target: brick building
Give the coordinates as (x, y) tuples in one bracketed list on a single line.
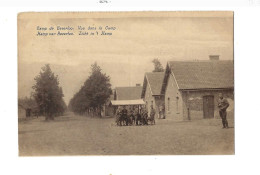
[(151, 93), (191, 88)]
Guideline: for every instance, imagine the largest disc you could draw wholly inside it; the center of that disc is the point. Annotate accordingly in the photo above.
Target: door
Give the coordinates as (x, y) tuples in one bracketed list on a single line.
[(208, 106)]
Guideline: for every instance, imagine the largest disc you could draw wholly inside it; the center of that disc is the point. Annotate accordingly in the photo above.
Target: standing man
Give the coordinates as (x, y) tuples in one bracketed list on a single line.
[(131, 116), (223, 105), (124, 115), (161, 112), (118, 116), (136, 114), (152, 114), (144, 116)]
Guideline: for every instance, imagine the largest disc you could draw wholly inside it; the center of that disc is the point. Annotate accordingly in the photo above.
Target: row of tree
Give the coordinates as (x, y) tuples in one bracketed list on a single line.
[(48, 94), (93, 94), (96, 91), (27, 102)]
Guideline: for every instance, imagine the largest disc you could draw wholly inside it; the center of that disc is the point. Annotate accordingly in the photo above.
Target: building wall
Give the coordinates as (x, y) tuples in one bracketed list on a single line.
[(156, 101), (173, 101), (194, 101), (177, 103), (149, 99), (159, 101)]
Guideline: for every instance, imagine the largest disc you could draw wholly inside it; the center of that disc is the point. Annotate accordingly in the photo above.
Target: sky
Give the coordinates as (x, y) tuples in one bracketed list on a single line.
[(126, 54)]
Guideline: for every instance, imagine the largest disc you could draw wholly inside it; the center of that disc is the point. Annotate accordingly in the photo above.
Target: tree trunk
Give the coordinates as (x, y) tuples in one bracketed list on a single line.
[(98, 111), (49, 117)]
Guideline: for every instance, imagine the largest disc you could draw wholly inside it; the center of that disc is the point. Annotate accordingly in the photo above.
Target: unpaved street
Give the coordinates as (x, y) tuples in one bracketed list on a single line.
[(81, 135)]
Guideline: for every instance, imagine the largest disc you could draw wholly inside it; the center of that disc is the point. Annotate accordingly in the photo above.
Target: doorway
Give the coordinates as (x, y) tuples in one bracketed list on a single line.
[(208, 106)]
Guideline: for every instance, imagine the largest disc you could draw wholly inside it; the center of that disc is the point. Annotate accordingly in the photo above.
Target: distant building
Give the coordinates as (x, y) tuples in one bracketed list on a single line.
[(21, 112), (191, 88), (24, 111), (128, 93), (151, 92), (214, 57), (128, 96), (27, 108)]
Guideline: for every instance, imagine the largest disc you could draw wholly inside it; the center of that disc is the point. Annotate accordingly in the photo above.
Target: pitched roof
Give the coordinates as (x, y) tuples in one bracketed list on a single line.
[(127, 102), (128, 93), (154, 80), (203, 74)]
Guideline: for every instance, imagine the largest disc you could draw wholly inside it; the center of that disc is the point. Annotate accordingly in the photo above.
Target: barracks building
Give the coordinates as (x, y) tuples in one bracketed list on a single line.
[(191, 88), (151, 92)]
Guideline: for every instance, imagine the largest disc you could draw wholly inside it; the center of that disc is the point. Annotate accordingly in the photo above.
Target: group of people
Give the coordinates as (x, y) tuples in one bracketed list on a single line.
[(134, 116)]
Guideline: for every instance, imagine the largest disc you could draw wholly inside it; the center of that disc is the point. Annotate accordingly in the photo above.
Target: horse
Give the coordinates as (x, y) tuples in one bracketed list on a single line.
[(131, 119), (144, 118), (138, 119)]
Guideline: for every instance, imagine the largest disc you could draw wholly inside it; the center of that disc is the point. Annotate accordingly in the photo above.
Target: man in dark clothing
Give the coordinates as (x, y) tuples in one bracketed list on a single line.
[(137, 116), (223, 105), (131, 116), (144, 116), (118, 116), (124, 115), (152, 114)]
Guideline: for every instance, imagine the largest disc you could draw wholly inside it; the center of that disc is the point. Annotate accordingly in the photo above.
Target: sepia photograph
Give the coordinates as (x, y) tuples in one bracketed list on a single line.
[(126, 83)]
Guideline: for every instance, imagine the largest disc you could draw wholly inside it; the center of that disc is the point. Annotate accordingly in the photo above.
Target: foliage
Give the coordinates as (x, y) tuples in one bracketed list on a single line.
[(27, 102), (48, 94), (93, 94), (157, 65)]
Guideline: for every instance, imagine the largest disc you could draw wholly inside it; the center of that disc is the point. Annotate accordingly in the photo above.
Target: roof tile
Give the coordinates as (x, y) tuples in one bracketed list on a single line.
[(155, 80), (129, 93), (203, 74)]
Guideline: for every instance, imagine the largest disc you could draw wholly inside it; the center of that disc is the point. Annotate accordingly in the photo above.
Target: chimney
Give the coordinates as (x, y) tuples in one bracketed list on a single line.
[(138, 84), (214, 57)]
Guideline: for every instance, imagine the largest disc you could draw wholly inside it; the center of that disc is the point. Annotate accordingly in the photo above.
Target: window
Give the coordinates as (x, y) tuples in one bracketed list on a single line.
[(152, 103), (177, 105)]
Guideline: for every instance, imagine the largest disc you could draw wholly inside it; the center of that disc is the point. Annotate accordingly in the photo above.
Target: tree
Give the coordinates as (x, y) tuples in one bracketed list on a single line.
[(48, 94), (80, 102), (93, 94), (27, 102), (157, 65)]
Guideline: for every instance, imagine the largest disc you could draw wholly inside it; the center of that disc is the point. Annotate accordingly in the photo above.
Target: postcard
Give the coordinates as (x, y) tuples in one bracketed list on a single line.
[(126, 83)]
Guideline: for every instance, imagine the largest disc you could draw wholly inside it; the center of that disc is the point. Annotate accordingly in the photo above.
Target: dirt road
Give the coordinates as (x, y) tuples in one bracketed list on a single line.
[(78, 135)]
